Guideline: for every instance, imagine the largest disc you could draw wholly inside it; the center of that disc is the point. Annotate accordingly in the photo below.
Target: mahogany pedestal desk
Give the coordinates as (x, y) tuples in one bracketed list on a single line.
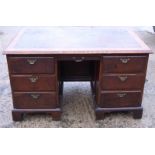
[(40, 59)]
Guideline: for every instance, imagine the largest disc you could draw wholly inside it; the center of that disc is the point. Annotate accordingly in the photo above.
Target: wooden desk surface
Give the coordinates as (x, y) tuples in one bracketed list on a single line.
[(76, 40)]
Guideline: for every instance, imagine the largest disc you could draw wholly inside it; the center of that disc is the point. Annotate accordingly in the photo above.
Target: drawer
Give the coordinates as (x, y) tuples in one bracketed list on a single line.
[(123, 82), (124, 64), (33, 82), (77, 58), (33, 65), (120, 99), (38, 100)]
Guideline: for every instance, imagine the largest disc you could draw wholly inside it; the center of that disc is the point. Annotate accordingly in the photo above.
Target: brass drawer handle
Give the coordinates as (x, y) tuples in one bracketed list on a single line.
[(33, 79), (121, 95), (125, 60), (31, 61), (35, 96), (78, 60), (123, 78)]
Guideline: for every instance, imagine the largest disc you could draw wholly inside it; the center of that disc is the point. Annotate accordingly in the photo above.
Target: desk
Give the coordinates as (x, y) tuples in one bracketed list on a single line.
[(40, 59)]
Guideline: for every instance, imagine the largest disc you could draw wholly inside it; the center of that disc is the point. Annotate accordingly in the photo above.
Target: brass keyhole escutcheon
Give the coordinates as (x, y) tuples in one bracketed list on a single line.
[(33, 79), (78, 59), (121, 95), (123, 78), (35, 96), (125, 60), (31, 61)]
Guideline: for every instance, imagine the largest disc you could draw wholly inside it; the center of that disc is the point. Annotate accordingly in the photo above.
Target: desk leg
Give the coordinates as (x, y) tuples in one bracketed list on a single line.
[(99, 115), (92, 87), (61, 87), (56, 116), (17, 116), (137, 114)]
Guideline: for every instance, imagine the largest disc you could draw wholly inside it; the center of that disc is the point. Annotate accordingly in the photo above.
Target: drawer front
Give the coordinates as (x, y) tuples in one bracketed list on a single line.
[(123, 82), (22, 65), (35, 100), (120, 99), (33, 82), (124, 64)]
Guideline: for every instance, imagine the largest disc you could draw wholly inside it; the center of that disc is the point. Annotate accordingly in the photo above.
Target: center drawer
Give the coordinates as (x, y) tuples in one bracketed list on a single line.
[(33, 82), (124, 64), (21, 65), (37, 100), (123, 81)]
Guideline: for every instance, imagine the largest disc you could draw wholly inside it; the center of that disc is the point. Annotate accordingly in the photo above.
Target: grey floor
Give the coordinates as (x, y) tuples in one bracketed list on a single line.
[(77, 101)]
